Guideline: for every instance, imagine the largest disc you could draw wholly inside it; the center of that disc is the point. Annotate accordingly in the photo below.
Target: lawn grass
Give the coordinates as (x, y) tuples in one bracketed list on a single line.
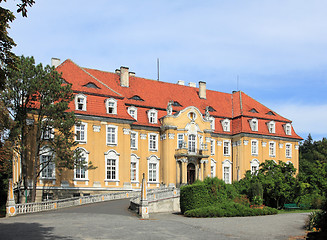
[(282, 211)]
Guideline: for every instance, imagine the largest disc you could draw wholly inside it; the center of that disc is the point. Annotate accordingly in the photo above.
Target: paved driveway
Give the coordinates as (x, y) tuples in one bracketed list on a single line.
[(112, 220)]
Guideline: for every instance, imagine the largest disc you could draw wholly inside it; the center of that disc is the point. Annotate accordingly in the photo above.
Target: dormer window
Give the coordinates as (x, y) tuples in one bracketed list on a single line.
[(80, 102), (153, 116), (254, 124), (212, 123), (271, 126), (137, 98), (253, 110), (288, 129), (133, 112), (111, 105), (91, 85), (226, 125), (270, 113)]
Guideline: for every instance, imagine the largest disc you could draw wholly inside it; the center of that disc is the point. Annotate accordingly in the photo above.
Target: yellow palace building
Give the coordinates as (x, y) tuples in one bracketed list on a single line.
[(174, 133)]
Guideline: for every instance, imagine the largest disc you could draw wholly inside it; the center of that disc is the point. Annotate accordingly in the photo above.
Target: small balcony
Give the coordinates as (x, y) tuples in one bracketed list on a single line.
[(185, 152)]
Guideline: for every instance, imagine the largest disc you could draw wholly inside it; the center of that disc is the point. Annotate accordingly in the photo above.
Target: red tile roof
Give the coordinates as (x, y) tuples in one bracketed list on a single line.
[(236, 106)]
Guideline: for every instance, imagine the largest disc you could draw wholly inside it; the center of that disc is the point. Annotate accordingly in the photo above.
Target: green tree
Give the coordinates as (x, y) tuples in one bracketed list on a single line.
[(7, 57), (38, 98)]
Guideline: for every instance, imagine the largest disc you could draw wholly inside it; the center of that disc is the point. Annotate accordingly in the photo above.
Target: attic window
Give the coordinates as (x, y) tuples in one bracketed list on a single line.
[(253, 110), (211, 109), (91, 85), (138, 98), (177, 104), (270, 113)]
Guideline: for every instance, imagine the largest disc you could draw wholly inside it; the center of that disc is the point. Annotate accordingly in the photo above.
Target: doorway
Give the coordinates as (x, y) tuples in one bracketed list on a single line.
[(190, 173)]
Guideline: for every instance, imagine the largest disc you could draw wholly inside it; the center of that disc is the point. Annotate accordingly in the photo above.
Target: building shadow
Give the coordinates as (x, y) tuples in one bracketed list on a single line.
[(26, 231)]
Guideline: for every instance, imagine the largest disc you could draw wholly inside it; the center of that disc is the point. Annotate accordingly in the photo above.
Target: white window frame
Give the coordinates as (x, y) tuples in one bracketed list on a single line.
[(225, 125), (77, 97), (132, 108), (288, 129), (212, 123), (84, 154), (46, 152), (194, 142), (84, 140), (135, 159), (272, 149), (271, 127), (153, 118), (114, 102), (153, 159), (213, 168), (288, 150), (150, 140), (254, 147), (212, 147), (228, 147), (227, 164), (254, 165), (254, 124), (112, 155), (135, 147), (180, 140), (116, 135)]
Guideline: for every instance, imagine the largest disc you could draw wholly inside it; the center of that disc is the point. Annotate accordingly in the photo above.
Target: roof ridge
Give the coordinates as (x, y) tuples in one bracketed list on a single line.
[(96, 79)]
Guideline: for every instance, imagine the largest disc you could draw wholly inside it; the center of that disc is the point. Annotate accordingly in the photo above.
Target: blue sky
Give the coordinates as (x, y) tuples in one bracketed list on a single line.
[(277, 49)]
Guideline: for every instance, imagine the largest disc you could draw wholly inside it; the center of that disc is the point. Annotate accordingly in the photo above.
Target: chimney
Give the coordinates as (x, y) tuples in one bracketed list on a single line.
[(202, 90), (180, 82), (132, 74), (192, 84), (124, 76), (117, 71), (55, 62)]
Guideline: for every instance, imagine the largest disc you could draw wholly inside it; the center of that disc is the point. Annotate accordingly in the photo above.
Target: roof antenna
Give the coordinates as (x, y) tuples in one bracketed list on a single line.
[(158, 67)]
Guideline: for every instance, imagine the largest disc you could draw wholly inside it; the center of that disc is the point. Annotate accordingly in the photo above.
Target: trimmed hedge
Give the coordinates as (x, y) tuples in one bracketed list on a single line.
[(229, 209), (194, 196)]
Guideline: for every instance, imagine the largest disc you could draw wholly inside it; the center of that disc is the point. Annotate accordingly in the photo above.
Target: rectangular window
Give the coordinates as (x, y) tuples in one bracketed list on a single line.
[(191, 143), (80, 171), (133, 140), (153, 142), (48, 167), (180, 141), (111, 107), (132, 112), (80, 103), (226, 148), (272, 150), (212, 171), (111, 135), (47, 133), (152, 172), (80, 133), (254, 170), (226, 175), (133, 171), (153, 117), (254, 147), (288, 150), (111, 169)]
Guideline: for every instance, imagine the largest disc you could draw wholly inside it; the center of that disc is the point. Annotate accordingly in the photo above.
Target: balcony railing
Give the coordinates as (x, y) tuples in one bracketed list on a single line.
[(185, 152)]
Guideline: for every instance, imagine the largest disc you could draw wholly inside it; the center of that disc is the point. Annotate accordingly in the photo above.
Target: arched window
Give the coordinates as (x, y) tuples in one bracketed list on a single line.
[(227, 171), (254, 166), (213, 168), (111, 106), (134, 168), (80, 170), (47, 165), (112, 165), (153, 169), (80, 102)]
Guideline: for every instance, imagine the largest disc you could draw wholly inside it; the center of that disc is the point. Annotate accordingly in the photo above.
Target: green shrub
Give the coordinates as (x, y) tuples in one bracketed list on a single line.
[(243, 200), (194, 196), (310, 201), (228, 209)]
